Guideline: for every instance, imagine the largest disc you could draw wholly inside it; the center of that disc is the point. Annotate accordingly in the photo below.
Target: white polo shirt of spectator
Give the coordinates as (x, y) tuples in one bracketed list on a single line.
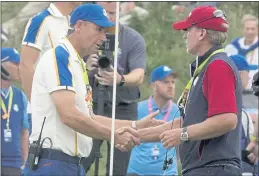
[(252, 56), (59, 69), (44, 30)]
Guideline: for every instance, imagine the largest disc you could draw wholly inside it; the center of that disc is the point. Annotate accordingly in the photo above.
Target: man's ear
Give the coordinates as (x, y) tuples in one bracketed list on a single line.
[(78, 25), (203, 34)]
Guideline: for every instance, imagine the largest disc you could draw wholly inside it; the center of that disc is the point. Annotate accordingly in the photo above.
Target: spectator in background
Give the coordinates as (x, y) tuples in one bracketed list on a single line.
[(127, 9), (131, 69), (148, 158), (248, 165), (247, 45), (43, 31), (14, 120)]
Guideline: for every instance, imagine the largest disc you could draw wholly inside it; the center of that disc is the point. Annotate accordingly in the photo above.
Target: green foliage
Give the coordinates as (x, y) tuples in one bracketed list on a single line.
[(10, 9)]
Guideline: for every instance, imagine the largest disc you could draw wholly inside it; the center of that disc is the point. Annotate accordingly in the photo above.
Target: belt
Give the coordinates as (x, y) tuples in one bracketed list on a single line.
[(53, 154)]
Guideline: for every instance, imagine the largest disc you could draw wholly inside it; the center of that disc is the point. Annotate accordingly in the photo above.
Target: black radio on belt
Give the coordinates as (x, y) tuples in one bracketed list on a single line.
[(35, 151)]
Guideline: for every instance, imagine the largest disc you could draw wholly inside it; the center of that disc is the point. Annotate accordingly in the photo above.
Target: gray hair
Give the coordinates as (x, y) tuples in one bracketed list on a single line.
[(216, 37)]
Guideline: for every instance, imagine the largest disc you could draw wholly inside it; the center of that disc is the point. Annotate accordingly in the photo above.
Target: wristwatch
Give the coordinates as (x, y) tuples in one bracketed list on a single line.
[(184, 135), (122, 82)]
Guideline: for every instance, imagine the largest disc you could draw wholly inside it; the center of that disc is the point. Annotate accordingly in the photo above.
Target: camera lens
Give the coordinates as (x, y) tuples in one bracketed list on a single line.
[(104, 62)]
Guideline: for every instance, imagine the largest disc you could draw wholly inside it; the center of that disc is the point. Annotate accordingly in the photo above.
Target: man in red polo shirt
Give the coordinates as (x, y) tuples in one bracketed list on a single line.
[(211, 103)]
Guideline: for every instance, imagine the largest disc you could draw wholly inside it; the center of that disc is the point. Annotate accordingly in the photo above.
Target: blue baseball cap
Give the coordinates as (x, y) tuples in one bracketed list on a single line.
[(161, 72), (10, 54), (93, 13), (242, 63)]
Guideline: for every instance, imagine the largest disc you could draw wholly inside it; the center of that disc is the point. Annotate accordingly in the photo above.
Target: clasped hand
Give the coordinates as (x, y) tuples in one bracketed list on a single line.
[(126, 138)]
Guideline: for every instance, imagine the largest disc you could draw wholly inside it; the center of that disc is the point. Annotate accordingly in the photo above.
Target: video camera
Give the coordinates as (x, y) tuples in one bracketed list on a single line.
[(106, 50)]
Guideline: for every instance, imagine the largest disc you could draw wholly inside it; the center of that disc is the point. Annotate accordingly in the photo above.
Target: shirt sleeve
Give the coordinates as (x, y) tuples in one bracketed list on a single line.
[(58, 75), (219, 88), (25, 114), (137, 54), (36, 31)]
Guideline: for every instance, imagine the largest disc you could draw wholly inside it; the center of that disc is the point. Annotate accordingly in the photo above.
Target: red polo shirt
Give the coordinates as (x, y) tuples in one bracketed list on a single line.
[(219, 88)]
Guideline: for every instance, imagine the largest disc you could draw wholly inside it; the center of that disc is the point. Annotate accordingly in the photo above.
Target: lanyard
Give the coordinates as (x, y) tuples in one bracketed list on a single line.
[(168, 110), (183, 98), (7, 113)]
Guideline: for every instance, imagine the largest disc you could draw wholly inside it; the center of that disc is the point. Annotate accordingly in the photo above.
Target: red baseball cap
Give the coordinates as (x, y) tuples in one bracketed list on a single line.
[(206, 17)]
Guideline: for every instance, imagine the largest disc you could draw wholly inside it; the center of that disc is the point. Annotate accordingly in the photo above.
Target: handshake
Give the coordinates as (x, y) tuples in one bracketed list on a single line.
[(126, 137)]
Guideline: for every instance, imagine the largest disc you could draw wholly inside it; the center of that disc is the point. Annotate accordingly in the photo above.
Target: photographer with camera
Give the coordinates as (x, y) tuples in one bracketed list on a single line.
[(131, 69)]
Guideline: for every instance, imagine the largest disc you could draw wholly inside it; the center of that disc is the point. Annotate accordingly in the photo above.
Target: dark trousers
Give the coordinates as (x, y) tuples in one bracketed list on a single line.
[(121, 159), (10, 171), (214, 171), (56, 163)]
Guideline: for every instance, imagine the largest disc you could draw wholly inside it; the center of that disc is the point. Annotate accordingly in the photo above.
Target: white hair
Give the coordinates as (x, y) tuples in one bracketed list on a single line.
[(216, 37)]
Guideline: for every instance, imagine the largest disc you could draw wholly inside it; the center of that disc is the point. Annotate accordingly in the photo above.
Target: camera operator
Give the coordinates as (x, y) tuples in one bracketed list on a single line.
[(131, 69)]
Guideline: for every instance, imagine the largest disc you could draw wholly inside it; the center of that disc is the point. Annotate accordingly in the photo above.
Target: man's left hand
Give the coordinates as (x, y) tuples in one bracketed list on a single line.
[(171, 138), (106, 77), (149, 121)]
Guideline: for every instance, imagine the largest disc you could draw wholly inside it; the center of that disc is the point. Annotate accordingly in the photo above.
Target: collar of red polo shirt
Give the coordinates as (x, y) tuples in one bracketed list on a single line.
[(205, 17)]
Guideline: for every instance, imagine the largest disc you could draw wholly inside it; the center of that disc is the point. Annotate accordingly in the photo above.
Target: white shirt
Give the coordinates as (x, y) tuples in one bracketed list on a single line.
[(252, 57), (59, 69), (44, 30)]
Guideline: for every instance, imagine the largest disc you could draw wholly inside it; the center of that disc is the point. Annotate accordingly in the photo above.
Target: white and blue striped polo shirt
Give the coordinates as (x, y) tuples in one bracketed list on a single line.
[(59, 69), (44, 30)]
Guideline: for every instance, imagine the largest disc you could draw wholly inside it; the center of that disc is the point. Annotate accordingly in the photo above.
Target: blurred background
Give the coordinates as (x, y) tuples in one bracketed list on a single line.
[(153, 20)]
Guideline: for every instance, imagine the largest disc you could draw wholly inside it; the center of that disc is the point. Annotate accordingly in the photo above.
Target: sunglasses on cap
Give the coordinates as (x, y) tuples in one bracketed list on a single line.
[(216, 14)]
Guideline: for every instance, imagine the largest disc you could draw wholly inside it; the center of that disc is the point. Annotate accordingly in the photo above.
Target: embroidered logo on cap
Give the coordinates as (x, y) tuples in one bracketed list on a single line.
[(105, 13)]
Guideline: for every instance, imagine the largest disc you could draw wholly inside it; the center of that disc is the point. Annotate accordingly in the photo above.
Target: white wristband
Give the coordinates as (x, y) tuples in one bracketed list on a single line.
[(133, 125)]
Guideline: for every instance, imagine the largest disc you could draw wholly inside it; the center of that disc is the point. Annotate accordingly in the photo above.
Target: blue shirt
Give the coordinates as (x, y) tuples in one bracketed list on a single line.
[(11, 151), (143, 160)]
